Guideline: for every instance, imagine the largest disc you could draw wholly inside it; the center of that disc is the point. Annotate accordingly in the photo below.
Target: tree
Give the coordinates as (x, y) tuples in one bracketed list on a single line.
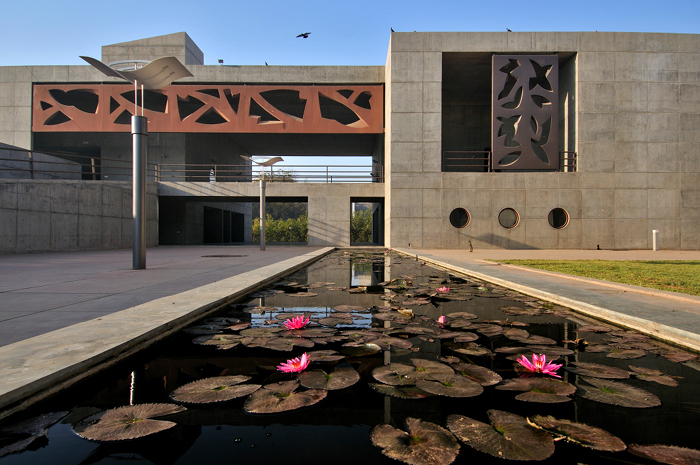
[(361, 226), (278, 230)]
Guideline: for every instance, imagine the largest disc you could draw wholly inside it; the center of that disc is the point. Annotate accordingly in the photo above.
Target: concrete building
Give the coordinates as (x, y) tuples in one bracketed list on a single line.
[(503, 140)]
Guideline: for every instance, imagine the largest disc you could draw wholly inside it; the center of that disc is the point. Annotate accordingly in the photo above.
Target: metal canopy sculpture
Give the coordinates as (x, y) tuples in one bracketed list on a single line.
[(524, 124), (155, 75)]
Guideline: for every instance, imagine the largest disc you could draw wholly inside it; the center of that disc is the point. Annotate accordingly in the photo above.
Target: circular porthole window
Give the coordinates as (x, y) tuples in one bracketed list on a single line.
[(459, 218), (558, 218), (508, 218)]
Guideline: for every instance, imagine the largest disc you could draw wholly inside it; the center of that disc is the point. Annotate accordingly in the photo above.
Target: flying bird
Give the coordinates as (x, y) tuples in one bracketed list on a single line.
[(305, 35)]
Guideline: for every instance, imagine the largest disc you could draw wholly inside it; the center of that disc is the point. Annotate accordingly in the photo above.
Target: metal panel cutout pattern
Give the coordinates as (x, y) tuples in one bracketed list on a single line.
[(524, 124), (307, 109)]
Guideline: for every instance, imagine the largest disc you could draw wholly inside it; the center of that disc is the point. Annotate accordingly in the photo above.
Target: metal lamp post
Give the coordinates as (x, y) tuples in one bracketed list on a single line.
[(269, 162), (154, 75)]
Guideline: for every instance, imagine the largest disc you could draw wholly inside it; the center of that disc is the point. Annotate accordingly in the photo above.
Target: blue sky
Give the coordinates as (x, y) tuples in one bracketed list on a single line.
[(342, 33)]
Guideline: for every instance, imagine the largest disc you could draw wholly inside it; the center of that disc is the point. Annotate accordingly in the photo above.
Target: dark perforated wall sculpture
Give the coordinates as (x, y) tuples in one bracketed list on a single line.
[(524, 124), (211, 108)]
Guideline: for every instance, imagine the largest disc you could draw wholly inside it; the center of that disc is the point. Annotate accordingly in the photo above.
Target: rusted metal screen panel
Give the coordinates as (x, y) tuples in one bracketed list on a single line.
[(310, 109), (524, 102)]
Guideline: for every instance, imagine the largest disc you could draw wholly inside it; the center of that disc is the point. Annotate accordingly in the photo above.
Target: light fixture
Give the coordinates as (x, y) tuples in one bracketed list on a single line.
[(154, 75)]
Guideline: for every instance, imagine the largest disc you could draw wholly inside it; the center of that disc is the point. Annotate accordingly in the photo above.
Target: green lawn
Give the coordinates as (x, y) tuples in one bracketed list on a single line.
[(676, 276)]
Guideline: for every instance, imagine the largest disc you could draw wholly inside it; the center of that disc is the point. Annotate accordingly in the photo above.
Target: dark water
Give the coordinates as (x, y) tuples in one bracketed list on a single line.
[(336, 430)]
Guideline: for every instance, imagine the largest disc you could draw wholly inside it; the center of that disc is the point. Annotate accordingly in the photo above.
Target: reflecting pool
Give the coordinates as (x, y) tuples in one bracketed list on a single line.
[(375, 314)]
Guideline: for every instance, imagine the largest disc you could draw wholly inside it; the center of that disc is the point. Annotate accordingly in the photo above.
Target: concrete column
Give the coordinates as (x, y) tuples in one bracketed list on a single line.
[(139, 133)]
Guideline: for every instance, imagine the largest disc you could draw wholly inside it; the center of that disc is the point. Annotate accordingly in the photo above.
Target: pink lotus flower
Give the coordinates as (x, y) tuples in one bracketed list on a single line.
[(540, 365), (297, 322), (442, 319), (443, 289), (295, 365)]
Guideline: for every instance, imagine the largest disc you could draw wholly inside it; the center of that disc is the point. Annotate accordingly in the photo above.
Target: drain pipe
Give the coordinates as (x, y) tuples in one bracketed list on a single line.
[(655, 240)]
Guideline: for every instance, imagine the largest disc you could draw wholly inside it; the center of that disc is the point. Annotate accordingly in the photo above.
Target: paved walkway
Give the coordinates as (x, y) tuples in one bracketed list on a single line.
[(669, 316), (43, 292)]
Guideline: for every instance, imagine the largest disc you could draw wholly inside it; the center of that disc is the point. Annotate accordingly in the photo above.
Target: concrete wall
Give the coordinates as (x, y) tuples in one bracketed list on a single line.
[(38, 216), (329, 204), (178, 45), (633, 116)]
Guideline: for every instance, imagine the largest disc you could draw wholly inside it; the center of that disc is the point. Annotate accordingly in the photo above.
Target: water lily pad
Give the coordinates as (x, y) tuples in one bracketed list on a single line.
[(481, 375), (334, 321), (387, 343), (220, 341), (395, 374), (596, 370), (325, 356), (509, 436), (473, 349), (360, 349), (339, 378), (464, 315), (579, 433), (617, 393), (542, 390), (520, 311), (239, 326), (302, 294), (286, 344), (426, 368), (679, 357), (460, 323), (123, 423), (425, 443), (263, 332), (18, 436), (490, 330), (217, 389), (656, 376), (282, 397), (450, 385), (466, 337), (671, 455), (400, 392), (625, 354), (351, 308)]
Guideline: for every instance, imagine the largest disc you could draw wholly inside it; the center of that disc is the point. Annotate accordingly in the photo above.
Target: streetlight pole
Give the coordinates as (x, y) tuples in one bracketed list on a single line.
[(157, 74), (269, 162)]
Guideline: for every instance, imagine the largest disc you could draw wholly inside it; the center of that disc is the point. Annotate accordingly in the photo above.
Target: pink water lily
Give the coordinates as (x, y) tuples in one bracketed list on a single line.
[(442, 319), (540, 364), (443, 289), (297, 322), (294, 365)]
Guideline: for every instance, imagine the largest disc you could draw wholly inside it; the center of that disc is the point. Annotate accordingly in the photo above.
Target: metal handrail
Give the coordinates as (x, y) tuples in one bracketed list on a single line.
[(287, 173), (53, 167), (464, 160)]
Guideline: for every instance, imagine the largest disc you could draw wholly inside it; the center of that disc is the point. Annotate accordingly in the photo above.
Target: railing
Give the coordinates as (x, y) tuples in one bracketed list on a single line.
[(17, 163), (284, 173), (470, 161), (474, 161)]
